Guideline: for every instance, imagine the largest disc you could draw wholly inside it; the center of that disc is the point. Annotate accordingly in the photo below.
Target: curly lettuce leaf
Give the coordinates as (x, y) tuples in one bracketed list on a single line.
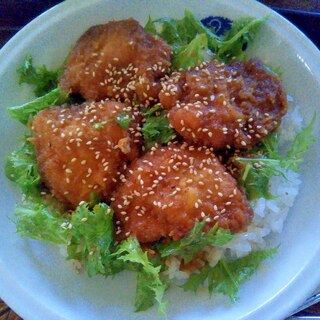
[(150, 26), (192, 54), (193, 26), (235, 41), (41, 78), (188, 37), (22, 168), (92, 237), (189, 247), (150, 287), (257, 171), (37, 220), (302, 142), (26, 111), (227, 276), (88, 233), (167, 29), (145, 296), (256, 180), (156, 128), (181, 34)]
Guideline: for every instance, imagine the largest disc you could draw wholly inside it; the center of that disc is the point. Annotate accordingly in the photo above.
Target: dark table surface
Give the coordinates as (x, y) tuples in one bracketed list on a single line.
[(14, 14)]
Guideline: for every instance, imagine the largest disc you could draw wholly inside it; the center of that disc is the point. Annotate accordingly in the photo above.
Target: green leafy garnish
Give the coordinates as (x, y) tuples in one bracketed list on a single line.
[(187, 37), (191, 55), (37, 220), (150, 26), (256, 180), (226, 276), (190, 39), (236, 40), (145, 296), (150, 287), (124, 120), (156, 128), (88, 233), (43, 79), (189, 246), (257, 171), (302, 142), (25, 112), (178, 32), (22, 168), (92, 238)]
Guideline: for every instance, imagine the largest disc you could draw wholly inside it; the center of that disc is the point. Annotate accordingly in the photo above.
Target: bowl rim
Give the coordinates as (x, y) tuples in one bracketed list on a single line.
[(285, 301)]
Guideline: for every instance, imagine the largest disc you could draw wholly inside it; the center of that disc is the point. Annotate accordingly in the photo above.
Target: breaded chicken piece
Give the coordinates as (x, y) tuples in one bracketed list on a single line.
[(224, 106), (171, 187), (82, 149), (117, 60)]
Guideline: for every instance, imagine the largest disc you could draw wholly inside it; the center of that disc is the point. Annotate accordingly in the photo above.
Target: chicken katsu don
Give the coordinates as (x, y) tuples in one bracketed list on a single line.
[(224, 106), (118, 60), (157, 150), (83, 149), (169, 188)]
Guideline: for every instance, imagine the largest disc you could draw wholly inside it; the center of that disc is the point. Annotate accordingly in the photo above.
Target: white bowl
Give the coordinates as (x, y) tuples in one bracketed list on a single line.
[(38, 283)]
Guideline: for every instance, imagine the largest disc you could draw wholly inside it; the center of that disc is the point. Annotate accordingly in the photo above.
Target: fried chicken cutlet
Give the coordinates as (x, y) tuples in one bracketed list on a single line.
[(224, 106), (169, 188), (118, 60), (82, 148)]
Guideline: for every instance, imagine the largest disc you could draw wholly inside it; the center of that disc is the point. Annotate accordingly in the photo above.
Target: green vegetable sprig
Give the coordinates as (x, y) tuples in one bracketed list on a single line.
[(190, 39), (191, 245), (26, 111), (156, 128), (235, 41), (91, 238), (150, 287), (227, 276), (37, 220), (191, 54), (257, 171), (22, 168), (41, 78), (88, 233)]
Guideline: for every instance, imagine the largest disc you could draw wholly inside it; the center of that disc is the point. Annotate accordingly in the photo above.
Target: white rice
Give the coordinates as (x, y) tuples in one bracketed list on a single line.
[(269, 215)]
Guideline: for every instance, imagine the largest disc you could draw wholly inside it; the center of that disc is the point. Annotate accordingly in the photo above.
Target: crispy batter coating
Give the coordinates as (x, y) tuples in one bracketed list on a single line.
[(117, 60), (224, 106), (82, 149), (168, 188)]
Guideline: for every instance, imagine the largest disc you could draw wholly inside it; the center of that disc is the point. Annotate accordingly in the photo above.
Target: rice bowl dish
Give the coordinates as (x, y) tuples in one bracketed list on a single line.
[(269, 214)]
